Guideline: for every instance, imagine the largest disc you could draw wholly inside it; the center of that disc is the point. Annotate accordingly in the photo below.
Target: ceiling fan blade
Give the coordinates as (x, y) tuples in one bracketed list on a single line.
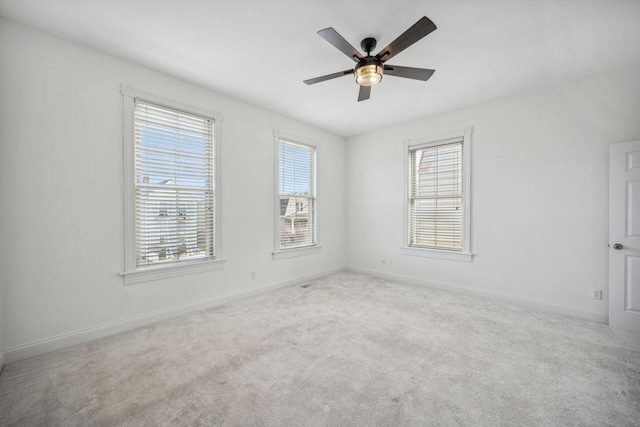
[(408, 72), (328, 77), (365, 92), (332, 36), (417, 31)]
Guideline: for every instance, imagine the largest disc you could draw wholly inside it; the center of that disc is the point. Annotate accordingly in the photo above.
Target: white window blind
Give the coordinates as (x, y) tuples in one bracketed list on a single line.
[(436, 215), (297, 194), (174, 185)]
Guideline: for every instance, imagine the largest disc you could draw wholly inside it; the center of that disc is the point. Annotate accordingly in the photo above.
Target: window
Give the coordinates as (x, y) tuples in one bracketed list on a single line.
[(171, 186), (296, 204), (437, 210)]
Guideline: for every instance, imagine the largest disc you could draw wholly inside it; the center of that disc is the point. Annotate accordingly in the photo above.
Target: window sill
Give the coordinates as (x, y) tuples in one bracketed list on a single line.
[(435, 253), (162, 272), (295, 252)]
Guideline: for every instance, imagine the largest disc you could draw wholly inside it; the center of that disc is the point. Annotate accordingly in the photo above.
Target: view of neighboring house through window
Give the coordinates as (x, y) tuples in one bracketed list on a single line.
[(174, 185), (297, 194), (436, 204)]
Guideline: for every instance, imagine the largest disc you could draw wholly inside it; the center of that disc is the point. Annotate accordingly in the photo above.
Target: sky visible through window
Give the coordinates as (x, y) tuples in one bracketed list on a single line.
[(166, 155), (294, 169)]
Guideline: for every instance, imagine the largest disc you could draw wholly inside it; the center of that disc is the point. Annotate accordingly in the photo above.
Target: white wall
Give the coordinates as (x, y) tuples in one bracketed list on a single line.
[(539, 200), (61, 192)]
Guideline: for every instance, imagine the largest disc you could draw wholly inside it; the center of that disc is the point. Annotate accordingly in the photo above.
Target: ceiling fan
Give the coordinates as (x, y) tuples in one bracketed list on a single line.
[(369, 69)]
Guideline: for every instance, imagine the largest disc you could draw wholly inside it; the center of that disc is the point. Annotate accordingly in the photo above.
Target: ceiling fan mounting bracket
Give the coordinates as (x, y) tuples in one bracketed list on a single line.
[(368, 45), (368, 60)]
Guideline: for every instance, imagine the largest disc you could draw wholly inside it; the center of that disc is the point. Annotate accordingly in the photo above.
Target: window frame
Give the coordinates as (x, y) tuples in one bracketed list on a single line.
[(132, 273), (315, 248), (465, 255)]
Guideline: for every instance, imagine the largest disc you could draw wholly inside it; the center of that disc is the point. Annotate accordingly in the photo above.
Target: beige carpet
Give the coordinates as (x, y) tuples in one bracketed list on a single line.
[(348, 350)]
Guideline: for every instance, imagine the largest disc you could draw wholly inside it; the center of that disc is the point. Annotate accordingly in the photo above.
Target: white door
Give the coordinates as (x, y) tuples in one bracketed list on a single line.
[(624, 237)]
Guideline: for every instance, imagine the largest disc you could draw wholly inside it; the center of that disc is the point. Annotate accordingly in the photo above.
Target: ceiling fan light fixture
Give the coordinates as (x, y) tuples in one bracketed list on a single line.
[(368, 75)]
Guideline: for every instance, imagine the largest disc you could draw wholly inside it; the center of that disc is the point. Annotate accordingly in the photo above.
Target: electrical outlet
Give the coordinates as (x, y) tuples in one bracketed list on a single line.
[(596, 294), (253, 274), (389, 262), (384, 261)]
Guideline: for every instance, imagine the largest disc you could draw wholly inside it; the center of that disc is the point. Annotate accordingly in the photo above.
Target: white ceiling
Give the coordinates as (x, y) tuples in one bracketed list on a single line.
[(260, 51)]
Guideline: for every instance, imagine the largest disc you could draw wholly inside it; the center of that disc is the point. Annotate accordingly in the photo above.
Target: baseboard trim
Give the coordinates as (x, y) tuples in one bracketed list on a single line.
[(47, 345), (566, 309)]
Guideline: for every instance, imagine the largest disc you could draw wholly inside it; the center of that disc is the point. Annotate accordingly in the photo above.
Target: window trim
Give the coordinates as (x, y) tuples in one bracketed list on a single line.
[(465, 254), (315, 248), (133, 274)]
